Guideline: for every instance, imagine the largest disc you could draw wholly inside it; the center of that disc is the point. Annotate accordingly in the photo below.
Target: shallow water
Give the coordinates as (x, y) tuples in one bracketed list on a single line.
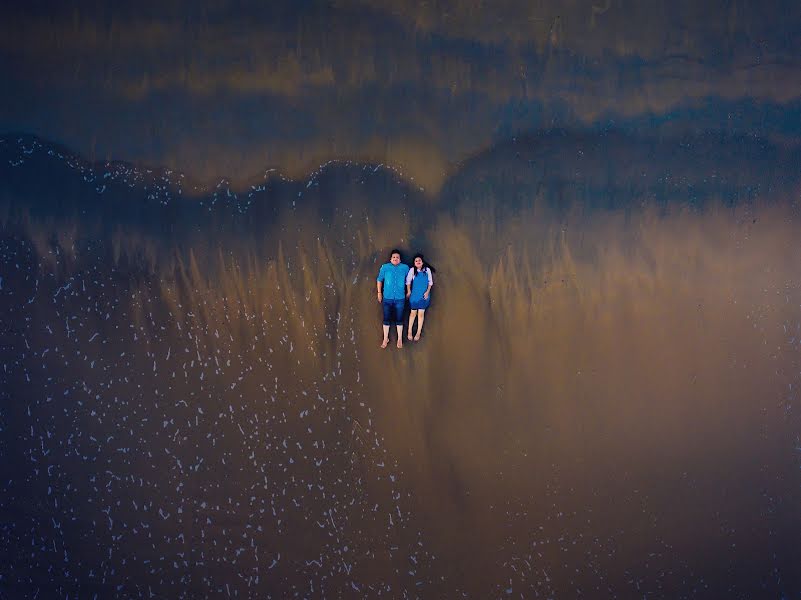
[(603, 402)]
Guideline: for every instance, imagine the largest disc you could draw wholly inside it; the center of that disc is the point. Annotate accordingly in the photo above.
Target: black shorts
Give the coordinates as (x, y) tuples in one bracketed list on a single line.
[(393, 311)]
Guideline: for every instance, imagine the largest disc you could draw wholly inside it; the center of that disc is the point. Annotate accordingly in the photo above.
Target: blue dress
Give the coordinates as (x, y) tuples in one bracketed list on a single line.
[(419, 287)]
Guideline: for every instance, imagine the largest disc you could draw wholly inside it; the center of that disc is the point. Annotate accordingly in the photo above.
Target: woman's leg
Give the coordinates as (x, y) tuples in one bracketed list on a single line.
[(412, 315), (421, 317)]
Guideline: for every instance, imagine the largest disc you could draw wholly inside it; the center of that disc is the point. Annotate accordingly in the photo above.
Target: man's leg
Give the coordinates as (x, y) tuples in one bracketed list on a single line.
[(386, 307), (412, 315), (399, 320), (421, 315)]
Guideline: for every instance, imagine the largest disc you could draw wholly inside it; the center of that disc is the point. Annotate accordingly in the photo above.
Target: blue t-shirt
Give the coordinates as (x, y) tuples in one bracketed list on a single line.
[(394, 278)]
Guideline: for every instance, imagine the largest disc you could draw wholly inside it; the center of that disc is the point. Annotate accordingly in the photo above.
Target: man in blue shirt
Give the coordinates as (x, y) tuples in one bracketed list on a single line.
[(391, 284)]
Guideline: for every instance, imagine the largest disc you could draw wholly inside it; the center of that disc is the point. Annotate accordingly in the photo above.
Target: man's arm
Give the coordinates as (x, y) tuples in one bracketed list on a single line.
[(379, 284)]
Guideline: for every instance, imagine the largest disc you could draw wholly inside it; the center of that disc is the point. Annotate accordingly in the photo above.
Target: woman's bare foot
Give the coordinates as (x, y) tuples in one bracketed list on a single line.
[(409, 337), (385, 342), (417, 338), (400, 343)]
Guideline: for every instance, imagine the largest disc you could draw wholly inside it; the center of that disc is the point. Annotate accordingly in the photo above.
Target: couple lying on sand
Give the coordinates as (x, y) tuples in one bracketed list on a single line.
[(391, 294)]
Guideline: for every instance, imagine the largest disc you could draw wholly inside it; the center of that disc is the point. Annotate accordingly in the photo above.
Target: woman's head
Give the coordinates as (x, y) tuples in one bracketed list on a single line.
[(419, 262)]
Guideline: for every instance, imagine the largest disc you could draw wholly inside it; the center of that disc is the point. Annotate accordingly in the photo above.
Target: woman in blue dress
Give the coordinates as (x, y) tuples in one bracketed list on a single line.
[(418, 291)]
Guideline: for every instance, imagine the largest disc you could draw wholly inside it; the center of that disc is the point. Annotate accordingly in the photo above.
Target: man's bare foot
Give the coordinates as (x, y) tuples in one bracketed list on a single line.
[(384, 343), (417, 338), (400, 343)]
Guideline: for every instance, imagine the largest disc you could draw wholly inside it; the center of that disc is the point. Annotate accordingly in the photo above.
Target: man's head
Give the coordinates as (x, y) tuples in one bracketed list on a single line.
[(395, 257)]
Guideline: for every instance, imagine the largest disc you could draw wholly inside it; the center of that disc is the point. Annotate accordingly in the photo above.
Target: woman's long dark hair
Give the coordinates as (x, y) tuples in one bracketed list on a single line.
[(425, 264)]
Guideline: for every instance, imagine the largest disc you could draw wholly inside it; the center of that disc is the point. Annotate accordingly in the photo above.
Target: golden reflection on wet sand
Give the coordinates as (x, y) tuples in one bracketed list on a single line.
[(589, 389)]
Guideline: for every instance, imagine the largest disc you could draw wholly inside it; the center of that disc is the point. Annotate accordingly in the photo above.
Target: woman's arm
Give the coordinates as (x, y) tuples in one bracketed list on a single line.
[(430, 283)]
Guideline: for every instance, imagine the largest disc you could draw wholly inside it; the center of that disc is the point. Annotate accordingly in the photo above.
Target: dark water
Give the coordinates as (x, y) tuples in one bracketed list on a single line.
[(225, 87), (603, 403)]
